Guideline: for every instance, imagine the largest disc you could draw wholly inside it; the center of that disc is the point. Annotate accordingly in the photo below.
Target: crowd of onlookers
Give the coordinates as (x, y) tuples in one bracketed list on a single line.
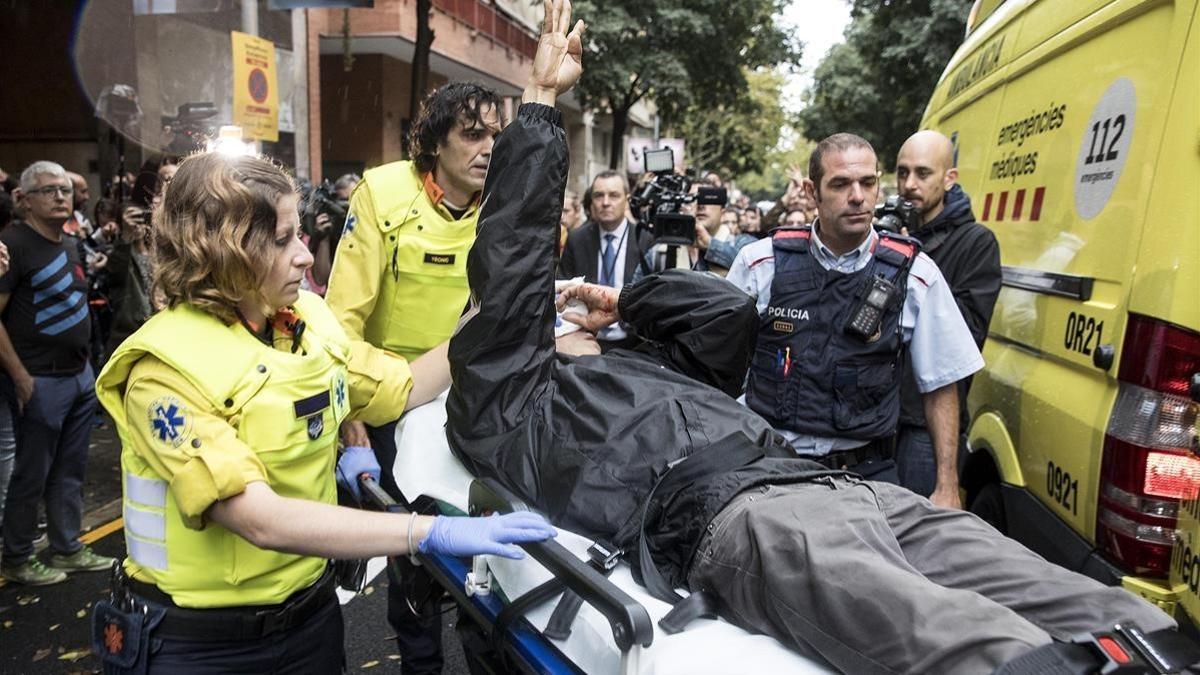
[(80, 280)]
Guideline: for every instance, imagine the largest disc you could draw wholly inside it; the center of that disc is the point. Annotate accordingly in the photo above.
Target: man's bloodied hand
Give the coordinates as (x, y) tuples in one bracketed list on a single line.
[(601, 302)]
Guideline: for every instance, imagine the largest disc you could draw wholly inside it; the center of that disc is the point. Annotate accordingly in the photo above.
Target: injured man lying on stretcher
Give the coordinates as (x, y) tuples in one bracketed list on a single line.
[(649, 447)]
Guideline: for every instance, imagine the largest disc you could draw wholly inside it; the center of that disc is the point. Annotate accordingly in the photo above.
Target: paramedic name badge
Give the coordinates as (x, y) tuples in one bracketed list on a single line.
[(170, 422)]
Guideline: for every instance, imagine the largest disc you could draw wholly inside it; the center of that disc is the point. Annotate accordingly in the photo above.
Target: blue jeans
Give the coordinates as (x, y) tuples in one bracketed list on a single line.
[(915, 460), (53, 433), (8, 450)]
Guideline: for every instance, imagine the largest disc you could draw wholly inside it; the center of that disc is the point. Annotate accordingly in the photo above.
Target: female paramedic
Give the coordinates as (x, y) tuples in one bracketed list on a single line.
[(228, 404)]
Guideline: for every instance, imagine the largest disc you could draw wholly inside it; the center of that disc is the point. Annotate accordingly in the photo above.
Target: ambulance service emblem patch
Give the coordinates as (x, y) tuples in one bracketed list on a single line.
[(170, 422)]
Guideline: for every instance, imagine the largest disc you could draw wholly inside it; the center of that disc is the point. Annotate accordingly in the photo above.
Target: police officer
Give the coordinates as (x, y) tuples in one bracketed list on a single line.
[(227, 405), (399, 282), (839, 302)]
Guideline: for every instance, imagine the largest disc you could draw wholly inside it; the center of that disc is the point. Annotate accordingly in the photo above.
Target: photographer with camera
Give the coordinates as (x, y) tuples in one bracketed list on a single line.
[(606, 249), (683, 218), (969, 258), (130, 276), (324, 208), (839, 303)]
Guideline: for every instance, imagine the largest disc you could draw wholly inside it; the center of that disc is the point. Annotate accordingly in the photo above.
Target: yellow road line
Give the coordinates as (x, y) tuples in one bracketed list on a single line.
[(103, 531), (95, 535)]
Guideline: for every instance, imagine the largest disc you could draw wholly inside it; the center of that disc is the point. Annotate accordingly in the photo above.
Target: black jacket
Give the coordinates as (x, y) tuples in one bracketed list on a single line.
[(581, 255), (969, 258), (586, 438)]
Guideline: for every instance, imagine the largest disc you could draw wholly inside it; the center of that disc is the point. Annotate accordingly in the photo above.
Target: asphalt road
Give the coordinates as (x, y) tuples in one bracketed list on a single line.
[(46, 630)]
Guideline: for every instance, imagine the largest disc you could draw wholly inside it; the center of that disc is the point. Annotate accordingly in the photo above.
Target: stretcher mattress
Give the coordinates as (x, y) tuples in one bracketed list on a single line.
[(425, 466)]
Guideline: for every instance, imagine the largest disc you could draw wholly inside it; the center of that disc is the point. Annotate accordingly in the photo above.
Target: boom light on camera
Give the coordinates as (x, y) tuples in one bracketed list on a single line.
[(658, 204)]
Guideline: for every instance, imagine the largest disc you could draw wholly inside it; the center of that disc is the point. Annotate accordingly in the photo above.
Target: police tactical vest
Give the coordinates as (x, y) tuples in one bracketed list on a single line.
[(424, 286), (286, 406), (810, 376)]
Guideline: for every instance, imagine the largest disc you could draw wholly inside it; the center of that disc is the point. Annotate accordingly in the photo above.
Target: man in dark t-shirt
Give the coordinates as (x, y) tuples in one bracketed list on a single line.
[(44, 350)]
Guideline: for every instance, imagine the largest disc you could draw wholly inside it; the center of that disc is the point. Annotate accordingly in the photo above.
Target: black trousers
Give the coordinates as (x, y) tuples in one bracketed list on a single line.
[(313, 647), (418, 626)]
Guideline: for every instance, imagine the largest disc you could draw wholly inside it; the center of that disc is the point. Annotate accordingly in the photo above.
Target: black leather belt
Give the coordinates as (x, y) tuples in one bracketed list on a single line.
[(846, 460), (229, 623)]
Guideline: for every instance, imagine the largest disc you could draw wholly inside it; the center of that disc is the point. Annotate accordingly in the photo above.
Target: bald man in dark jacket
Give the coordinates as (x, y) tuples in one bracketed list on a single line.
[(969, 257)]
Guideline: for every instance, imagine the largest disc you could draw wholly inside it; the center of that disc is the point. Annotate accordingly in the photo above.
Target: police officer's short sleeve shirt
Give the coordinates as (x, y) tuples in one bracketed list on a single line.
[(939, 342)]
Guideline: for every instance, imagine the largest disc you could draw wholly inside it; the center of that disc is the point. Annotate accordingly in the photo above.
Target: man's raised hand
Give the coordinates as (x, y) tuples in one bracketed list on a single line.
[(601, 302), (559, 59)]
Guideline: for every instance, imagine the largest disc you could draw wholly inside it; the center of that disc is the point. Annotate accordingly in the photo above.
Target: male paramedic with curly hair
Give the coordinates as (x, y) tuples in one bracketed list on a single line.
[(866, 576), (399, 282)]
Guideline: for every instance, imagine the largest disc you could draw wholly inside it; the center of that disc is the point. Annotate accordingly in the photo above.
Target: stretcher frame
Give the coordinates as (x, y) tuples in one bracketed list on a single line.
[(523, 646)]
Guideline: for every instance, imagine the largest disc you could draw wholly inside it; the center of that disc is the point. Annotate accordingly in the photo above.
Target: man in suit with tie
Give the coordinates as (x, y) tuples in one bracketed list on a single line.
[(606, 249)]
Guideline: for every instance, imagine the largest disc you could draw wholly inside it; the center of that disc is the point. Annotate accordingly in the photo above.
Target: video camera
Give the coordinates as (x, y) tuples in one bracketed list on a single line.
[(895, 213), (188, 131), (658, 204), (321, 199)]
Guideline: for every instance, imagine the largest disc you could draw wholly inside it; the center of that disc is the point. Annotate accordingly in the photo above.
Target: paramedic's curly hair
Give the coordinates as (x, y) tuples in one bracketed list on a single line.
[(439, 111), (215, 229)]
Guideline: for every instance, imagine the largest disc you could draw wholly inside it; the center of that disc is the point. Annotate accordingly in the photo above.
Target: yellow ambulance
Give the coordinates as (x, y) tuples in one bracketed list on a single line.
[(1076, 126)]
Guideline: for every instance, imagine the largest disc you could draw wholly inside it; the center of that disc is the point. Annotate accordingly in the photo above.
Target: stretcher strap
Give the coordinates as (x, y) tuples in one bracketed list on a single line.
[(518, 608)]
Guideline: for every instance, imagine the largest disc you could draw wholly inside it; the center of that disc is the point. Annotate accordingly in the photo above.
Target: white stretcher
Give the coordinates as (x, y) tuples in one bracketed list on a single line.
[(425, 466)]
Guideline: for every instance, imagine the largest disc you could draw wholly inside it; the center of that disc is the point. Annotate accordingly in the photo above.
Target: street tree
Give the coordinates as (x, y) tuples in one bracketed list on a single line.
[(876, 83), (675, 52), (735, 138)]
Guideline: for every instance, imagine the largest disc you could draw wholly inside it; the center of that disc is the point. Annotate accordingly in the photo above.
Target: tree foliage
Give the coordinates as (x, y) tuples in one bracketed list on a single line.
[(675, 52), (771, 180), (877, 82), (735, 138)]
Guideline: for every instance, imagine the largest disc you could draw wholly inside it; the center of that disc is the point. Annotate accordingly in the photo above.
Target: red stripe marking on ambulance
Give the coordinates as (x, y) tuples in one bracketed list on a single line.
[(987, 206), (1000, 207), (1018, 202), (1035, 211)]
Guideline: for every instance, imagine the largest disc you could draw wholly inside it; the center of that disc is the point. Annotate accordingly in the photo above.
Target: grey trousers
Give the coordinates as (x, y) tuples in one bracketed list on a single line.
[(872, 578)]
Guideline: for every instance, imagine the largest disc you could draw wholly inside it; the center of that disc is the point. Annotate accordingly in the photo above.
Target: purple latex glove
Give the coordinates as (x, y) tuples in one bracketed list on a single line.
[(354, 462), (493, 535)]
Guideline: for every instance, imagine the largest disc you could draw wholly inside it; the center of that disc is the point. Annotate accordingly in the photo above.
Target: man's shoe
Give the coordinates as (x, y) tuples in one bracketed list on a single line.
[(32, 573), (82, 560)]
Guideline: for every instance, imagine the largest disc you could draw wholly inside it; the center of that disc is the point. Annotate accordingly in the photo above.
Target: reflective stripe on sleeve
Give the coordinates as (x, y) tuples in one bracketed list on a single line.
[(145, 524), (148, 491), (146, 553)]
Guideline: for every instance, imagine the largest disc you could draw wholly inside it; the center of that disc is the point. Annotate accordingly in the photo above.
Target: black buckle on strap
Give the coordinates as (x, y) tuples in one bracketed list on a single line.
[(603, 557), (1128, 649)]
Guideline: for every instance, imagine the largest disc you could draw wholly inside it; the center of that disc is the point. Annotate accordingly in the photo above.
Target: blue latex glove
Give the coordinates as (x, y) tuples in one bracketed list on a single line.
[(494, 535), (354, 462)]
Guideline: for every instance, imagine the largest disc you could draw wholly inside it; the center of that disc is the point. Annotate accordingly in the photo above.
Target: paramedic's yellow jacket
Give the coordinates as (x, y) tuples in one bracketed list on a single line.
[(399, 279), (203, 408)]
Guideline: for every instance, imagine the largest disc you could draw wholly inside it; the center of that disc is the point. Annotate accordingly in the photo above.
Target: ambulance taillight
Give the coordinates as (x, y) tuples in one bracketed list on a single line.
[(1150, 449)]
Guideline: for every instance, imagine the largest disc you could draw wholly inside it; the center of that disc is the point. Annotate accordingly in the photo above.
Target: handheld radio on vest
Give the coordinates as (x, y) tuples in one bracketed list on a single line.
[(868, 315)]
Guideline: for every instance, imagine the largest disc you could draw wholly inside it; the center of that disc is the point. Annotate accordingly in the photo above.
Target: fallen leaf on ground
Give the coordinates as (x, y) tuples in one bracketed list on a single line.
[(40, 654), (368, 590), (55, 626), (9, 624), (80, 614), (369, 664), (74, 655), (23, 600), (394, 657)]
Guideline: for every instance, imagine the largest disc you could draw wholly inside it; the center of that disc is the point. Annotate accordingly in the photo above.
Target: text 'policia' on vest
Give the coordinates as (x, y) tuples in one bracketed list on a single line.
[(812, 375)]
